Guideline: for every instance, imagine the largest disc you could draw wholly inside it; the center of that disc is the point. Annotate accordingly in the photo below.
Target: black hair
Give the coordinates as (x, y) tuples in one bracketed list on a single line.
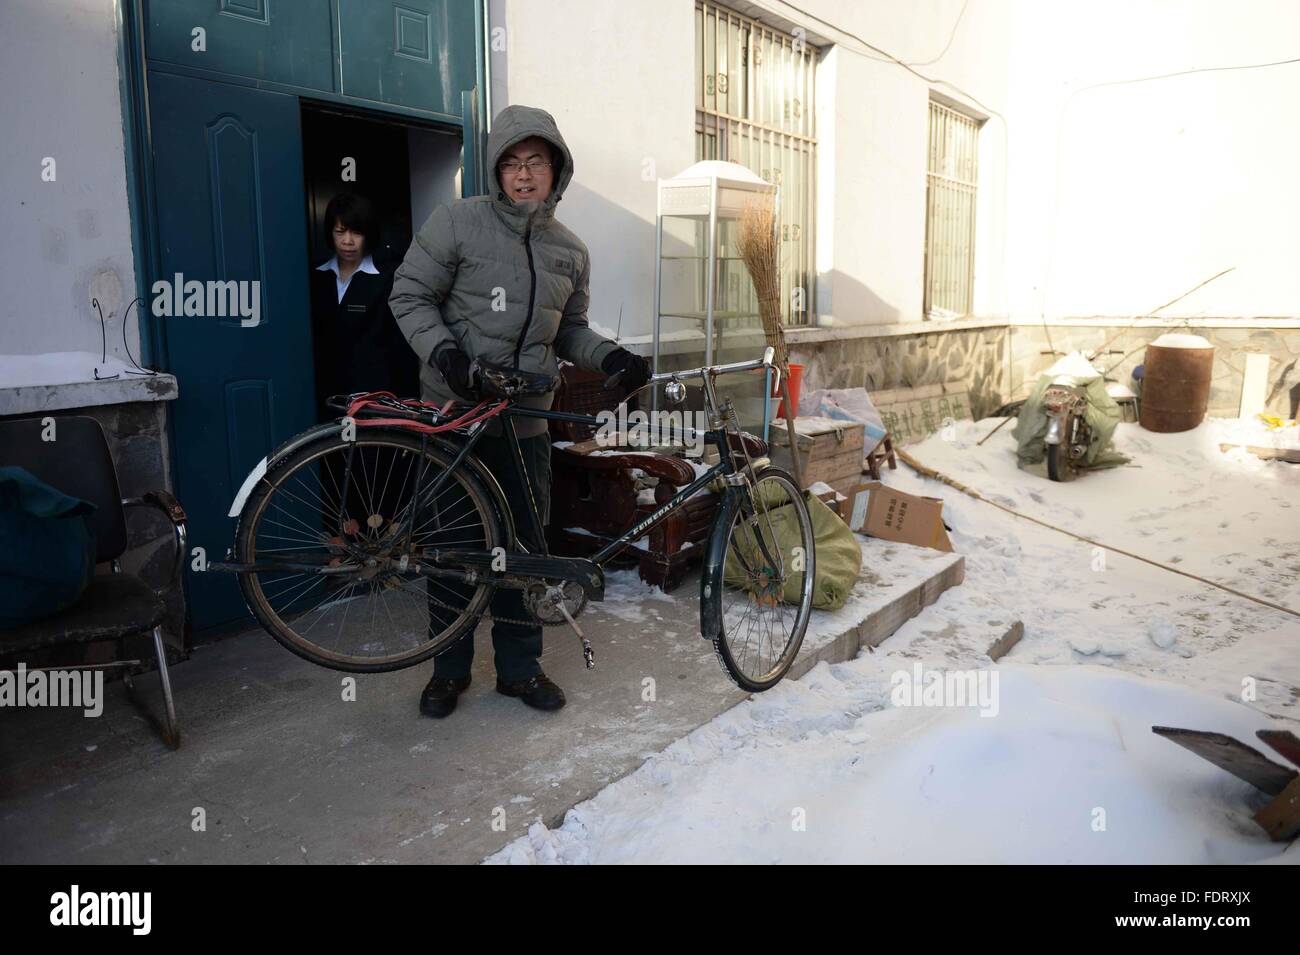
[(352, 212)]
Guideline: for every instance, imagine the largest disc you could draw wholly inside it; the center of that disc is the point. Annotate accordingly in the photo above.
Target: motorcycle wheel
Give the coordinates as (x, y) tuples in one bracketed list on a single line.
[(1060, 467)]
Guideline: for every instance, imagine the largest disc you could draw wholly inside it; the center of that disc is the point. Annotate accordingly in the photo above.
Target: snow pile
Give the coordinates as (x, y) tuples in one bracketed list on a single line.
[(1075, 365), (1256, 432), (1112, 646), (58, 368), (826, 770)]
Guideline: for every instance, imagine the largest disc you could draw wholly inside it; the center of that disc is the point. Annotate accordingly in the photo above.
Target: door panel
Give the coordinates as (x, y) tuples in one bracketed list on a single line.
[(417, 53), (231, 206), (289, 43)]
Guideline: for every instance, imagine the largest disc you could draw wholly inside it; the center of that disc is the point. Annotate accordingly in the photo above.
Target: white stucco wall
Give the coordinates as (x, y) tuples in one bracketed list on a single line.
[(1106, 202), (1123, 197), (67, 240), (622, 89), (873, 127), (618, 79)]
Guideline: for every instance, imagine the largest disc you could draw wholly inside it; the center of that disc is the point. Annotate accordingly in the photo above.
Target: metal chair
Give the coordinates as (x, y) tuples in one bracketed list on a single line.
[(114, 606)]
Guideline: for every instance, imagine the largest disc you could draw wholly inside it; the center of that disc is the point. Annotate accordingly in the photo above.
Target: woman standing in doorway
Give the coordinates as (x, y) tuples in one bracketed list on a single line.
[(357, 342)]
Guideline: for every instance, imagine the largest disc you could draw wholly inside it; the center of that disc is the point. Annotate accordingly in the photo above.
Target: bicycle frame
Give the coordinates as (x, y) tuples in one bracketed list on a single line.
[(715, 435)]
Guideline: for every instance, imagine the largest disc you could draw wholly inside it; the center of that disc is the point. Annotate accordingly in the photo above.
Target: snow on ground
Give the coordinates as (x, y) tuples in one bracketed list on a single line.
[(1112, 646)]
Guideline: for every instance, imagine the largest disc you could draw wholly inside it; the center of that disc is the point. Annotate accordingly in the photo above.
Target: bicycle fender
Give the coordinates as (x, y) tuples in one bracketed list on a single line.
[(245, 489), (268, 462), (712, 569), (329, 428)]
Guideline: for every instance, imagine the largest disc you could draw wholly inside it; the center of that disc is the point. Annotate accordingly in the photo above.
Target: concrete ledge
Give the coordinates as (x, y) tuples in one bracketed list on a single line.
[(35, 383), (884, 620)]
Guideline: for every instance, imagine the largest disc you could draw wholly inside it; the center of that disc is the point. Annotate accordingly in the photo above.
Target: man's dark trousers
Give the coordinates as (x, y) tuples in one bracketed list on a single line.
[(518, 648)]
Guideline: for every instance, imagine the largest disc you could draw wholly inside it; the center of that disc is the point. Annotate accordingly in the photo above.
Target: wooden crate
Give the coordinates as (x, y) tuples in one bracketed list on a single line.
[(830, 450)]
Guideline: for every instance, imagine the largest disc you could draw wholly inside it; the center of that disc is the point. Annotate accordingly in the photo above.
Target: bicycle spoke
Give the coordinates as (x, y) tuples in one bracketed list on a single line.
[(305, 516)]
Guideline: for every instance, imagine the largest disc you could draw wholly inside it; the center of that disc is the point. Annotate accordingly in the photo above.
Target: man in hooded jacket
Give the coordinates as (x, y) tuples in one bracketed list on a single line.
[(498, 278)]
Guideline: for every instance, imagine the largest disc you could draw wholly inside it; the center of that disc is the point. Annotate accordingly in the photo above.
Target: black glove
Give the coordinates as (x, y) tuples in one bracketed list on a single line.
[(636, 370), (454, 365)]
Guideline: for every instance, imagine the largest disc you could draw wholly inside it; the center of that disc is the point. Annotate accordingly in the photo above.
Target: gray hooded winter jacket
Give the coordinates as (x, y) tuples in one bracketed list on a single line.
[(504, 281)]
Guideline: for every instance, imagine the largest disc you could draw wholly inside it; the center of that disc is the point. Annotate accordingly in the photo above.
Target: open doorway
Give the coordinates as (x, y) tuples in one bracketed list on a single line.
[(403, 170)]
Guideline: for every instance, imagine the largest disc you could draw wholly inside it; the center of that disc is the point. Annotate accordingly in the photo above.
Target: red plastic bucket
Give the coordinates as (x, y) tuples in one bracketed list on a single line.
[(795, 381)]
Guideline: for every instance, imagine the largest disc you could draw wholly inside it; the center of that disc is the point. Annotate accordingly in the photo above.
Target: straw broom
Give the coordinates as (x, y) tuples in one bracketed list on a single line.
[(762, 257)]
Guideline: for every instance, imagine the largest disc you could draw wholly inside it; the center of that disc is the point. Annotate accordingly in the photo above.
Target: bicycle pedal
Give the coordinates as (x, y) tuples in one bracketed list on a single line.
[(588, 654)]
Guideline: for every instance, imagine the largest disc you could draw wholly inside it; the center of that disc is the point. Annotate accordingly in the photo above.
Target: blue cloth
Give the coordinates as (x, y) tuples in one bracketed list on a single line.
[(47, 548)]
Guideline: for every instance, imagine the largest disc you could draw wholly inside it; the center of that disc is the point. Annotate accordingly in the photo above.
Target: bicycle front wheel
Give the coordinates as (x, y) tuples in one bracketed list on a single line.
[(762, 581), (342, 527)]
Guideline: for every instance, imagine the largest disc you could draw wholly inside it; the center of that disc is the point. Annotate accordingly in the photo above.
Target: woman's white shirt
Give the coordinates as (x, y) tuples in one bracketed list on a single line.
[(367, 265)]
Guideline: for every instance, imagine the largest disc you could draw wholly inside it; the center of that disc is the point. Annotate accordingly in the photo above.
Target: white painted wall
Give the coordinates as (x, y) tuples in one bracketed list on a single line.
[(1106, 202), (872, 125), (1123, 197), (65, 241), (619, 79)]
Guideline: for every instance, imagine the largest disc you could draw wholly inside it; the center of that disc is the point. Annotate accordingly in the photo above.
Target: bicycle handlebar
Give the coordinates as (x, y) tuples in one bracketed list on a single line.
[(769, 355)]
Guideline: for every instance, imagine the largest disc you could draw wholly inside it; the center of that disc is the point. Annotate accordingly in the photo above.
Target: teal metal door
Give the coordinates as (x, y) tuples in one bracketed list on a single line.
[(228, 182)]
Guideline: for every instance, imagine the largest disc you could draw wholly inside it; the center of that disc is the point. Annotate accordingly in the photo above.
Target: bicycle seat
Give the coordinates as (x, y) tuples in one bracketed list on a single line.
[(505, 382)]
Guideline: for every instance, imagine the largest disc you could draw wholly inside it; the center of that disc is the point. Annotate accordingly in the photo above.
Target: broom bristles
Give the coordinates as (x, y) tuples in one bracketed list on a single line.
[(760, 251)]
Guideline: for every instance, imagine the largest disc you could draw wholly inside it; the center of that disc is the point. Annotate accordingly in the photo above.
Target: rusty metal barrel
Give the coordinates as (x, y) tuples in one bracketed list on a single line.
[(1175, 386)]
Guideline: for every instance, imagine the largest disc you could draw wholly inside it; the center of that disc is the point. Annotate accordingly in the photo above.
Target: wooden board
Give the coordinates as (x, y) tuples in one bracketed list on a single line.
[(1284, 742), (1232, 756), (1290, 455), (1281, 817), (913, 414)]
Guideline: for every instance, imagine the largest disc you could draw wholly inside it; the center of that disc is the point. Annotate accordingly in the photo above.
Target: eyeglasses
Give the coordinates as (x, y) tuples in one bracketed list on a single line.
[(533, 166)]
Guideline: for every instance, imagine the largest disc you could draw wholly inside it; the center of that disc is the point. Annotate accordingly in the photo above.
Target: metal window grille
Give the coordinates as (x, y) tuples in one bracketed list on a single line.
[(950, 212), (754, 106)]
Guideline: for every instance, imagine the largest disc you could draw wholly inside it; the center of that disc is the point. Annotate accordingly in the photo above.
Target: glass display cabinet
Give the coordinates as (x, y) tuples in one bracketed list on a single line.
[(706, 308)]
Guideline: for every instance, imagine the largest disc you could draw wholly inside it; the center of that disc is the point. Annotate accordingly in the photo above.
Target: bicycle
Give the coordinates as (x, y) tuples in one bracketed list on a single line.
[(386, 517)]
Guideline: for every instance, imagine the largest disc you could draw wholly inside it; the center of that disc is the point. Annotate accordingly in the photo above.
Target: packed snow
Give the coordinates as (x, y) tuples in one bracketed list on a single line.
[(831, 768)]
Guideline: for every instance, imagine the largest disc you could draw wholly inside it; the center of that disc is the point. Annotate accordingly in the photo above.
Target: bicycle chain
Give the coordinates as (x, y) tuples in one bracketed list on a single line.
[(487, 614)]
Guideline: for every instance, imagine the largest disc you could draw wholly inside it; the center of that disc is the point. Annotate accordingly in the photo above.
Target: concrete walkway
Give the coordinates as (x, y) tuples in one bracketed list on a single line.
[(285, 771)]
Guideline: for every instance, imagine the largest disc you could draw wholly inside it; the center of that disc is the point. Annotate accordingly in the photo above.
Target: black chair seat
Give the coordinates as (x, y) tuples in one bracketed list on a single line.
[(114, 605)]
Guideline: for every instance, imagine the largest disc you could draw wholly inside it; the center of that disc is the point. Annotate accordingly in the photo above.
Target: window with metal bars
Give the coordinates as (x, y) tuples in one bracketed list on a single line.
[(950, 212), (754, 106)]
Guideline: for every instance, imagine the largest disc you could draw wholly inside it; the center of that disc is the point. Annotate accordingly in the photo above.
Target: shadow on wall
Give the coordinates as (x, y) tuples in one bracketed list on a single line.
[(622, 247), (856, 304)]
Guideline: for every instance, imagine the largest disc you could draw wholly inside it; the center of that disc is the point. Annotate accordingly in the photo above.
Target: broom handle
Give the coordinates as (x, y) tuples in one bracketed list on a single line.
[(790, 412)]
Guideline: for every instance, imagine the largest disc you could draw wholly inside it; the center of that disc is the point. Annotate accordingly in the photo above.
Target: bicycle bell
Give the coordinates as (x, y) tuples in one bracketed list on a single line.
[(675, 392)]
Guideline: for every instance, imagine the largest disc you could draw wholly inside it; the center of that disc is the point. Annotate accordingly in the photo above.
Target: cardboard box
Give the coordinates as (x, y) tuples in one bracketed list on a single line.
[(890, 514)]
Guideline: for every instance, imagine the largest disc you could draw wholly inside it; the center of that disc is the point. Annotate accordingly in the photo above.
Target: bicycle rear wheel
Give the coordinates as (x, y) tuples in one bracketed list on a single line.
[(763, 581), (345, 514)]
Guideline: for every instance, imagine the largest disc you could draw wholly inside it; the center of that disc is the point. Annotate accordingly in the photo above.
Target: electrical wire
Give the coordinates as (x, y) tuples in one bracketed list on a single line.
[(951, 35)]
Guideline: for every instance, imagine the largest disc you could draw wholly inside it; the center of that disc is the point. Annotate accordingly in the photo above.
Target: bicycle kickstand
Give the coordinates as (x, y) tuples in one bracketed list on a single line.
[(588, 655)]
